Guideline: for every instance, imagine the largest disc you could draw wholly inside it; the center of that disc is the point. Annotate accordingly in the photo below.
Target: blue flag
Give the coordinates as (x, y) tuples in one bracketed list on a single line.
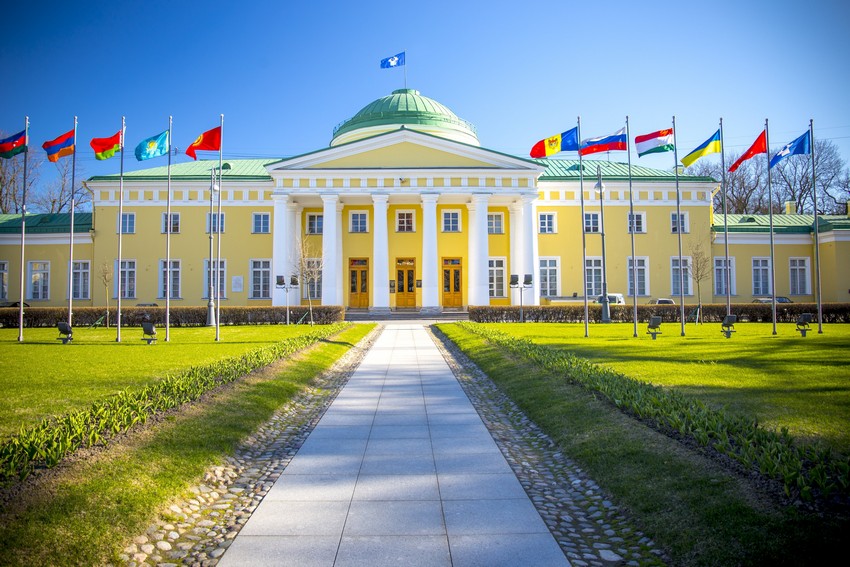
[(154, 146), (396, 60), (802, 145)]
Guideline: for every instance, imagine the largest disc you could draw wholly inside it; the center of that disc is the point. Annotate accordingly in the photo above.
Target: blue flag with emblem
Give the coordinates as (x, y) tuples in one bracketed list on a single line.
[(396, 60), (154, 146), (802, 145)]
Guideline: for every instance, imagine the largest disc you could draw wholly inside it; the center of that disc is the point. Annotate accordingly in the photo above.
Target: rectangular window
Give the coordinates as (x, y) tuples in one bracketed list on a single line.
[(637, 223), (315, 223), (39, 280), (495, 223), (128, 223), (261, 279), (4, 280), (799, 276), (720, 275), (682, 225), (312, 279), (761, 276), (261, 223), (404, 221), (676, 275), (593, 277), (496, 277), (215, 223), (546, 223), (358, 221), (591, 222), (175, 223), (173, 279), (451, 221), (548, 277), (219, 275), (80, 278), (638, 266), (127, 279)]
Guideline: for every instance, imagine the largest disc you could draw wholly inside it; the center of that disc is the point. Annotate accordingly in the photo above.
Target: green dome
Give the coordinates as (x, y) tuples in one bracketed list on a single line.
[(405, 107)]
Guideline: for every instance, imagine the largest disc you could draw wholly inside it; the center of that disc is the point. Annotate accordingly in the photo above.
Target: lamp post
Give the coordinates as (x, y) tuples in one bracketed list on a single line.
[(600, 188), (526, 284), (286, 287), (211, 302)]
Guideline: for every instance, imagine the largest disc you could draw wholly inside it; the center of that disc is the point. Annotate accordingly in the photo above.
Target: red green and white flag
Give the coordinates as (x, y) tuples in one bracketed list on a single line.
[(657, 142)]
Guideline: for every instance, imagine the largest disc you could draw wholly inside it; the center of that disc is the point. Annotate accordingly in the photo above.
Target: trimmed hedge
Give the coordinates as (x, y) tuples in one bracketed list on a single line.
[(180, 316), (711, 313)]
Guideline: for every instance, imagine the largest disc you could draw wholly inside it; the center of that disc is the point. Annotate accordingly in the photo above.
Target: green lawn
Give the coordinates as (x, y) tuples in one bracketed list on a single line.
[(783, 381), (43, 377)]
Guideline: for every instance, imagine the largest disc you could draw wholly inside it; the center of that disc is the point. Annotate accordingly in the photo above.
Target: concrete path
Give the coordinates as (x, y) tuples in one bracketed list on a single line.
[(399, 471)]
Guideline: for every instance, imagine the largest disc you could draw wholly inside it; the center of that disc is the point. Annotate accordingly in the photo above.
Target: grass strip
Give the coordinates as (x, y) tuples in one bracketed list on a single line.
[(85, 514), (700, 513)]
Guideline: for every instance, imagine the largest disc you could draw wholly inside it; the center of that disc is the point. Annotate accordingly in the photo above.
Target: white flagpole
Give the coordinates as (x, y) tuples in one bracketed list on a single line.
[(120, 232), (23, 230), (71, 236), (679, 230), (632, 226), (728, 269), (817, 238), (770, 217), (218, 239), (581, 224), (167, 277)]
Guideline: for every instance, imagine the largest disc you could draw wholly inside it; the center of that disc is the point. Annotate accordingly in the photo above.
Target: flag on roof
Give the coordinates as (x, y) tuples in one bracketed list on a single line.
[(209, 140), (13, 145), (613, 143), (710, 146), (563, 142), (152, 147), (758, 147), (60, 147), (802, 145), (396, 60), (105, 148), (657, 142)]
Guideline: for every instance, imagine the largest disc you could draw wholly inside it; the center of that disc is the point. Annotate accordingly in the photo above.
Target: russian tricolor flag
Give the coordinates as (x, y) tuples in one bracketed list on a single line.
[(614, 142), (60, 147)]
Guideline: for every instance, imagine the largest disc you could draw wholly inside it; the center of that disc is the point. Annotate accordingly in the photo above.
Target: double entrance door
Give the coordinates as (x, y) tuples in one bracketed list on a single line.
[(452, 282), (405, 291), (358, 283)]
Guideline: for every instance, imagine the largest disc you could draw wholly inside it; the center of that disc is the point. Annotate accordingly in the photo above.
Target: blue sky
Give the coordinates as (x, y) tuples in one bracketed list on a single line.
[(285, 73)]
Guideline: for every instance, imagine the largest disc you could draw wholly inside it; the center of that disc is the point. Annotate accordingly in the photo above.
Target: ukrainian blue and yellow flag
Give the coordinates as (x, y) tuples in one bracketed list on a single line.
[(154, 146), (710, 146)]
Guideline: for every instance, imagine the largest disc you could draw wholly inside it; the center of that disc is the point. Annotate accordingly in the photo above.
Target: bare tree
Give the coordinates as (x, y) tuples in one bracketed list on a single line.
[(699, 268), (55, 196), (310, 266), (12, 181), (746, 187), (105, 275), (792, 178)]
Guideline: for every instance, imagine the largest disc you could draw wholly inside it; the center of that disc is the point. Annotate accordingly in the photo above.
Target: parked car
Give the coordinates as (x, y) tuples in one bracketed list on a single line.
[(613, 298), (13, 304), (662, 301), (779, 299)]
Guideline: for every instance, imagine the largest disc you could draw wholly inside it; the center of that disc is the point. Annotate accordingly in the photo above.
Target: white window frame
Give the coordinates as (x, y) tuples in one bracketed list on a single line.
[(175, 274), (764, 278), (687, 262), (126, 223), (128, 290), (549, 285), (4, 280), (222, 219), (720, 275), (265, 222), (352, 224), (591, 223), (81, 279), (496, 277), (398, 215), (593, 268), (315, 224), (640, 216), (39, 268), (684, 222), (312, 289), (222, 278), (175, 220), (548, 226), (451, 220), (260, 267), (793, 281), (642, 268), (495, 223)]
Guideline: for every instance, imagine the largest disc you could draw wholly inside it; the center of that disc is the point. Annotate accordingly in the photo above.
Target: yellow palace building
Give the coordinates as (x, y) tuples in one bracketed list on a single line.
[(406, 210)]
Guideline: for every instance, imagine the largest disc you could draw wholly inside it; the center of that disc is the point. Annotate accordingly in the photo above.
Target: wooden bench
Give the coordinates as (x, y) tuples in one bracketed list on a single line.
[(803, 322), (654, 327), (66, 333), (148, 332), (727, 327)]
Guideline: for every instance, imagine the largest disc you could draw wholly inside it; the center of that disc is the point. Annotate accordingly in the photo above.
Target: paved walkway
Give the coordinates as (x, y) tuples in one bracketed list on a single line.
[(399, 471)]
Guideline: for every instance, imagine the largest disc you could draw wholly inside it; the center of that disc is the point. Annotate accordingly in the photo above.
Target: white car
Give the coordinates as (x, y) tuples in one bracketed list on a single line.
[(613, 299)]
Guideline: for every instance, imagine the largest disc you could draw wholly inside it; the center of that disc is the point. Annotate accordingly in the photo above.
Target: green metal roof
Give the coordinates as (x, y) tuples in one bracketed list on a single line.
[(46, 223), (405, 106), (782, 224), (568, 170), (239, 170)]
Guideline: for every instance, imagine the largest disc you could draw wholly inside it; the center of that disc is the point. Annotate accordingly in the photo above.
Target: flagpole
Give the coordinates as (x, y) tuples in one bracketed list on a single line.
[(167, 277), (581, 224), (817, 238), (728, 276), (71, 237), (405, 68), (679, 230), (218, 238), (632, 225), (770, 217), (120, 230), (23, 229)]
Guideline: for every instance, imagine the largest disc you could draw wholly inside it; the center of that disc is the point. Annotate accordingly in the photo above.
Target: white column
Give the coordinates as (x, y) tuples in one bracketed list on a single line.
[(343, 284), (380, 261), (479, 290), (529, 245), (430, 261), (293, 248), (516, 264), (280, 245), (330, 270)]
